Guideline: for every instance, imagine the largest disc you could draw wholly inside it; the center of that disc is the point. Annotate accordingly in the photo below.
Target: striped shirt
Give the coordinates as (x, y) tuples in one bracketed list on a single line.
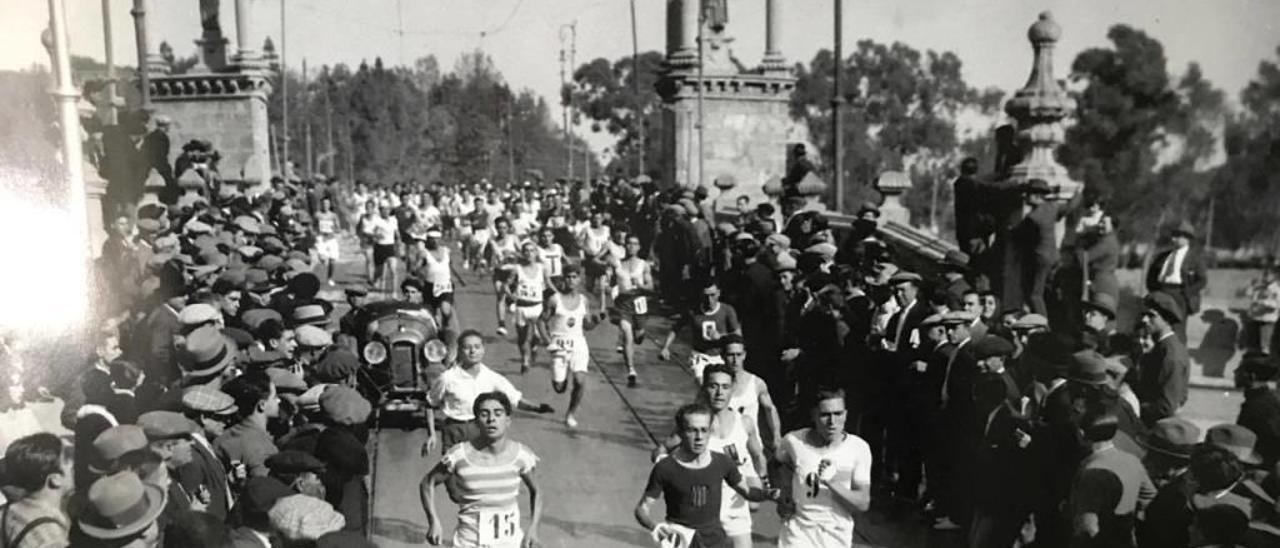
[(488, 510)]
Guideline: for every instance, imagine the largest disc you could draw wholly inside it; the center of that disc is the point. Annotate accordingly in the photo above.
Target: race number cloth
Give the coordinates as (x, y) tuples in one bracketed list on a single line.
[(692, 495), (819, 521), (684, 535), (487, 495)]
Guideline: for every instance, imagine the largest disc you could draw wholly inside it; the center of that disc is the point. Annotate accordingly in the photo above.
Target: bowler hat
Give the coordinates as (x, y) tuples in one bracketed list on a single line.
[(1184, 228), (1236, 439), (1088, 367), (120, 506), (1172, 437), (1102, 302)]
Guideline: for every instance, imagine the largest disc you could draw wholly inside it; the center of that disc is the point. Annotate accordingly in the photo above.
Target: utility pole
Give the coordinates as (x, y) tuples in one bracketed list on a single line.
[(635, 90), (306, 122), (511, 149), (564, 109), (328, 127), (109, 113), (837, 106), (139, 13), (702, 22), (573, 64), (284, 98)]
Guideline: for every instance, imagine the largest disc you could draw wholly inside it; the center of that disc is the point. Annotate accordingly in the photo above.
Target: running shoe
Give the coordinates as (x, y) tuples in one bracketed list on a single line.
[(631, 379), (570, 421), (502, 330)]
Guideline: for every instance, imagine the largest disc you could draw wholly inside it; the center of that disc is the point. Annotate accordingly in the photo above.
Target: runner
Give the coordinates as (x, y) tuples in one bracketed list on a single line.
[(386, 236), (327, 249), (564, 317), (365, 231), (691, 482), (482, 473), (550, 252), (503, 252), (593, 241), (634, 283), (529, 283), (750, 394), (438, 274), (710, 321), (481, 220), (825, 474), (738, 438)]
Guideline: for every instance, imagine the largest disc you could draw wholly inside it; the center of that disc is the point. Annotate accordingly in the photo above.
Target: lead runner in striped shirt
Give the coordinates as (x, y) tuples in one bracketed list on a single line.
[(487, 473)]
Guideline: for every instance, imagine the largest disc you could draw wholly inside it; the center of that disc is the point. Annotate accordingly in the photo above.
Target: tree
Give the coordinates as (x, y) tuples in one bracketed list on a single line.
[(605, 93), (1249, 183), (903, 107)]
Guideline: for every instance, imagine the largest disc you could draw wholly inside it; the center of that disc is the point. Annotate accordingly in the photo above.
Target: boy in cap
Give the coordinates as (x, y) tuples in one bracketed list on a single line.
[(1165, 371), (40, 466)]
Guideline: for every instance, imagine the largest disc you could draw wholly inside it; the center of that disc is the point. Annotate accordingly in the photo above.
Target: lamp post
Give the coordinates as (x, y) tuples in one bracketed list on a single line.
[(837, 106)]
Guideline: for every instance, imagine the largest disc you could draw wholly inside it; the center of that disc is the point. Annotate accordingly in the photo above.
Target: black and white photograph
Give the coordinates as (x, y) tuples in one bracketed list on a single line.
[(639, 273)]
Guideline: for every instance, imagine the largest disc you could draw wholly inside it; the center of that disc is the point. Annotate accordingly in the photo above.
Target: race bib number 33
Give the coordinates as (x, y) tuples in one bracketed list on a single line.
[(499, 525)]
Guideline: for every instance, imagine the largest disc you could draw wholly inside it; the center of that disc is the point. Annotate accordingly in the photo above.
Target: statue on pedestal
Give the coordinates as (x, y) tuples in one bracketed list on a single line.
[(213, 46)]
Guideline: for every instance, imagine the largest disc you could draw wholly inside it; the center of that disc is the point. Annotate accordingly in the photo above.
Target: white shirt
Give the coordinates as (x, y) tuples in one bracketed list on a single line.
[(1172, 273), (456, 390), (820, 521), (384, 229)]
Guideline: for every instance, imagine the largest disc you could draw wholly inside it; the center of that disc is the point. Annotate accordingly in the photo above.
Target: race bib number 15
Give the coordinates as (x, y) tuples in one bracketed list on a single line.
[(499, 526)]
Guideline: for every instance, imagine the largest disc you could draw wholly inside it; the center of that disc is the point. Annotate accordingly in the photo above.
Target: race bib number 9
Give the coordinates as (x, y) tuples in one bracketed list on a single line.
[(641, 305), (499, 526), (709, 332)]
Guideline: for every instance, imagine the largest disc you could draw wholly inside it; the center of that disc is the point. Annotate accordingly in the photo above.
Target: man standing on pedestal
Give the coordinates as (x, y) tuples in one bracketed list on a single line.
[(1036, 244), (155, 154), (1179, 272), (973, 220)]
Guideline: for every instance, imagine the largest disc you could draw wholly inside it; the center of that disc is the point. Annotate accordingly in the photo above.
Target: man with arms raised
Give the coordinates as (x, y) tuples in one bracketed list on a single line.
[(825, 474), (691, 482), (485, 474)]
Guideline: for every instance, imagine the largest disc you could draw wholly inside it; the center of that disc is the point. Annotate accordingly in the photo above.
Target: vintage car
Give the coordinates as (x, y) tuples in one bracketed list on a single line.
[(403, 350)]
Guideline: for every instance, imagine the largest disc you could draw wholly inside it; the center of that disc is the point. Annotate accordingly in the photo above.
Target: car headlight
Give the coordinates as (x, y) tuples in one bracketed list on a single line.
[(434, 351), (375, 352)]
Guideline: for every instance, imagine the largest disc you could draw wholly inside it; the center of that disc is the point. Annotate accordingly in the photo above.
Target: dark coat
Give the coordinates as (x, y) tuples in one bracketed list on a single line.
[(1260, 413), (1101, 258), (158, 331), (1194, 278), (973, 218), (205, 469), (1163, 379)]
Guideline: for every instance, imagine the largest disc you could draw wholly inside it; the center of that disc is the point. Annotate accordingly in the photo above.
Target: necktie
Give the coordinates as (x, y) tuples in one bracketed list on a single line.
[(1169, 264)]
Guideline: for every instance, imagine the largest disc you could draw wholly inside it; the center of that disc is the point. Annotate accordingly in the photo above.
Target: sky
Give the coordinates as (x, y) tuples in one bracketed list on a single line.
[(1227, 37)]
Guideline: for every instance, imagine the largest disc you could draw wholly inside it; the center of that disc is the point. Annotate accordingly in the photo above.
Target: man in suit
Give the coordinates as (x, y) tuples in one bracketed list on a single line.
[(1165, 372), (155, 153), (905, 346), (1035, 243), (959, 418), (973, 222), (1002, 462), (1179, 272), (162, 325)]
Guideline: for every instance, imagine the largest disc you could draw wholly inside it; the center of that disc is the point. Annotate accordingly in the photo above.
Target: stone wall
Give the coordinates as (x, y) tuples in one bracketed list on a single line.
[(237, 127)]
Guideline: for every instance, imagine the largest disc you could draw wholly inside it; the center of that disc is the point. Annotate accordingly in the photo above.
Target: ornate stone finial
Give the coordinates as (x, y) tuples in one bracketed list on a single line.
[(892, 184), (1039, 108)]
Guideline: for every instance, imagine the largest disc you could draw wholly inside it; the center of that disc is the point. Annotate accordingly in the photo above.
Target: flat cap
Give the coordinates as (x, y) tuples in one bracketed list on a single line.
[(779, 240), (261, 493), (905, 276), (991, 346), (304, 518), (785, 262), (270, 263), (336, 365), (1031, 321), (825, 250), (255, 317), (114, 442), (164, 425), (310, 336), (198, 313), (343, 405), (957, 317), (931, 320), (286, 381), (292, 461), (1166, 306), (207, 399)]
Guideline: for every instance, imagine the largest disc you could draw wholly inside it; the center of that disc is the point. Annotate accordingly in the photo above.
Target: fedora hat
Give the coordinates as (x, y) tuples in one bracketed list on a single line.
[(120, 506), (207, 352), (1088, 367), (1236, 439), (1166, 306), (1173, 437), (309, 314), (1185, 229), (1102, 302)]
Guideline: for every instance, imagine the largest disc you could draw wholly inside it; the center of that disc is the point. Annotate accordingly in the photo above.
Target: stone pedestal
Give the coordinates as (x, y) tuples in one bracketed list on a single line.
[(747, 130), (229, 110)]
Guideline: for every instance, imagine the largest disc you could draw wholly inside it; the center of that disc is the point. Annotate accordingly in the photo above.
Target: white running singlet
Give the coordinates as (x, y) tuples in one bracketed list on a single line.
[(735, 514), (820, 521)]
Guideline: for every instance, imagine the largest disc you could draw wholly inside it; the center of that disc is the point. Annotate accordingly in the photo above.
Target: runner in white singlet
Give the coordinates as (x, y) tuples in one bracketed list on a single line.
[(564, 317), (503, 252), (750, 394), (485, 475), (528, 288), (550, 252), (825, 477), (438, 275)]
